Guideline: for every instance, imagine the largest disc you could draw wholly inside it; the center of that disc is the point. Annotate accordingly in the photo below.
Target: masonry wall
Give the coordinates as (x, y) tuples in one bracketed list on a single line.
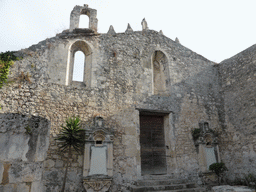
[(121, 85), (238, 141), (24, 142)]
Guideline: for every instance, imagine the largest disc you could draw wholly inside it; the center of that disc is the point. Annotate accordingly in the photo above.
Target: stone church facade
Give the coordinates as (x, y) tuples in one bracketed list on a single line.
[(141, 96)]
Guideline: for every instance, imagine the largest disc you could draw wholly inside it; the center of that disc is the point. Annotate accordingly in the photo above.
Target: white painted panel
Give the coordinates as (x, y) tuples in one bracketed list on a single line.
[(98, 161), (210, 156)]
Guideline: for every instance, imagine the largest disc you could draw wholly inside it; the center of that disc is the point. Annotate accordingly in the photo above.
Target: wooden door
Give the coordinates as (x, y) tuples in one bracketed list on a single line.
[(153, 154)]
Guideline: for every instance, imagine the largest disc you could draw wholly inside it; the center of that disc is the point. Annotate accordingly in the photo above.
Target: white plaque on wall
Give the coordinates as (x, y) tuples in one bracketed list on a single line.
[(98, 161), (210, 156)]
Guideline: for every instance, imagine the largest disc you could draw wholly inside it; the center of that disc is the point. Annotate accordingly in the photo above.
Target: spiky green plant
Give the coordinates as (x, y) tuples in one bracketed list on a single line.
[(71, 136)]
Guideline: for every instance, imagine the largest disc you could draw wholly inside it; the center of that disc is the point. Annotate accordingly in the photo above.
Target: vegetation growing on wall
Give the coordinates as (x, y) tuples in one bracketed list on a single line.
[(71, 136), (218, 169), (197, 132), (28, 130), (247, 180), (24, 77), (6, 60)]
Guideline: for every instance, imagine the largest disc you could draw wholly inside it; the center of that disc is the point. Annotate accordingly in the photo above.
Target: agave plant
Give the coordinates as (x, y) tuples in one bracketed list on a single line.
[(71, 136)]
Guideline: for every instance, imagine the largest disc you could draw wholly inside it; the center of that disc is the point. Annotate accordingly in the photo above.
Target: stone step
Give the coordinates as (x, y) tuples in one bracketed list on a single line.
[(162, 187), (156, 177), (160, 182), (184, 190)]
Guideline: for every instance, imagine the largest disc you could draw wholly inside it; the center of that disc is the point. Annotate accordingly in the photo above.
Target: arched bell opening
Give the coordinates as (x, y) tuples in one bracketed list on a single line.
[(84, 21)]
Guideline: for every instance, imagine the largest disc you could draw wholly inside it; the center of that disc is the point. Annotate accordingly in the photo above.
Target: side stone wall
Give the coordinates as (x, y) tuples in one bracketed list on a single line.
[(238, 91), (24, 142)]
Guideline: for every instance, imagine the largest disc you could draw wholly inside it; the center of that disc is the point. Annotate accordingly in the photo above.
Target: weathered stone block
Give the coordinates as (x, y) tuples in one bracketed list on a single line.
[(49, 163), (130, 130), (24, 187), (37, 186), (24, 138), (8, 188), (27, 172), (131, 145), (13, 147), (58, 163), (54, 179)]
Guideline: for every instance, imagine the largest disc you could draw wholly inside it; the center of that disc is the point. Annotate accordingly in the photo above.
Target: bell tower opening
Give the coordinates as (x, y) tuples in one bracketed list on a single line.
[(77, 18), (84, 21)]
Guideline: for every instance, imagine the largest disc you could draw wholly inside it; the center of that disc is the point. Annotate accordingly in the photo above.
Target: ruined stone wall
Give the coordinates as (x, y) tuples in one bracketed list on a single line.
[(121, 84), (24, 142), (238, 140)]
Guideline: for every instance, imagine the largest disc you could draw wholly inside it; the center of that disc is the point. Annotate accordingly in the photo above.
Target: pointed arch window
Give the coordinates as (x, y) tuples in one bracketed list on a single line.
[(160, 72)]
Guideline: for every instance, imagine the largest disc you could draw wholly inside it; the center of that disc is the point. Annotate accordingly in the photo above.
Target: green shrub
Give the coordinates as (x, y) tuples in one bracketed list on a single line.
[(250, 180), (196, 132), (218, 169), (28, 130), (6, 60)]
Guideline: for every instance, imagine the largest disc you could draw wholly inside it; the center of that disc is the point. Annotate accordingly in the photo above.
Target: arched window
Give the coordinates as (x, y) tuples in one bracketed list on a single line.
[(160, 72), (84, 21), (79, 63), (78, 69)]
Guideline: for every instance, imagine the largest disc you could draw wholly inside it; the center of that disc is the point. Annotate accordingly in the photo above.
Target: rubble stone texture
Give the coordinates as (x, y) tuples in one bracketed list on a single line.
[(126, 75), (237, 80)]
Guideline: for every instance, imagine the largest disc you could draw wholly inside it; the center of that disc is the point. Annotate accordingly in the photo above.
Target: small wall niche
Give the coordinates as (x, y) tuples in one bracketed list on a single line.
[(160, 72), (98, 142)]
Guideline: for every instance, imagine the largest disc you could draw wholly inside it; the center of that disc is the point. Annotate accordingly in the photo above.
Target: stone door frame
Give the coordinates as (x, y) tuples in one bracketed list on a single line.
[(169, 135)]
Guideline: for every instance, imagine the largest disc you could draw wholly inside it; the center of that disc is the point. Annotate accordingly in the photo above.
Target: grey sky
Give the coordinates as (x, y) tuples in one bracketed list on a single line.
[(216, 29)]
